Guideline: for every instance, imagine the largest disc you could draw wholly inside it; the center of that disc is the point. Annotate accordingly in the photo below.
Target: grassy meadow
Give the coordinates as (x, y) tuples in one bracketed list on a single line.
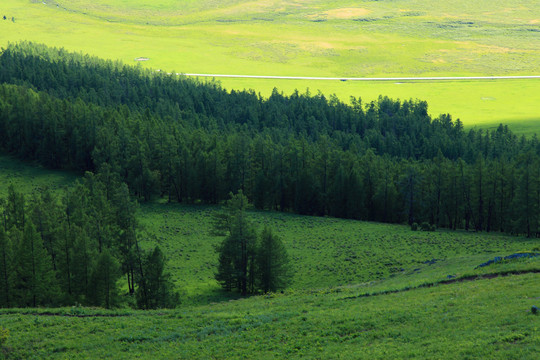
[(315, 38), (327, 252), (359, 290), (468, 320)]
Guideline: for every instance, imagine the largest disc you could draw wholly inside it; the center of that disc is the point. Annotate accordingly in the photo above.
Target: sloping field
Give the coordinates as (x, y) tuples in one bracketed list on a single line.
[(315, 38), (489, 319), (327, 252)]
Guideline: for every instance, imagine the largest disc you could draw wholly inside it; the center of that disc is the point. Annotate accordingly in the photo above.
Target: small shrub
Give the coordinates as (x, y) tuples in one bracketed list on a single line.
[(414, 226), (513, 338), (432, 227), (425, 226)]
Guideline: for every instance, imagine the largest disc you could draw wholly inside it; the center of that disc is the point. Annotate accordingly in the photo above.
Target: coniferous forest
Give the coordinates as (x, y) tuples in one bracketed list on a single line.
[(74, 249), (168, 136)]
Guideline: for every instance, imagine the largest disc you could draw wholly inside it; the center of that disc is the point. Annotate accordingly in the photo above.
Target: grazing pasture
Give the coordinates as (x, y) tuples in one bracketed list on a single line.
[(328, 252), (489, 318), (315, 38)]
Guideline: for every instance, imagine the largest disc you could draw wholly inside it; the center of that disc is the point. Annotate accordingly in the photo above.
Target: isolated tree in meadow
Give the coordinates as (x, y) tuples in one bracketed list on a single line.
[(272, 262), (238, 249), (248, 262)]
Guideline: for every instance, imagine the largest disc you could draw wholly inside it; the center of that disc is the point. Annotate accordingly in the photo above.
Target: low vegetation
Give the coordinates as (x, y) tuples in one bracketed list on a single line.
[(488, 318)]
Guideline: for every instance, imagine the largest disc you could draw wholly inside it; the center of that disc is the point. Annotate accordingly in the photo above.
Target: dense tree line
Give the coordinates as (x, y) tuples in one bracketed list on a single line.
[(168, 136), (402, 129), (75, 248)]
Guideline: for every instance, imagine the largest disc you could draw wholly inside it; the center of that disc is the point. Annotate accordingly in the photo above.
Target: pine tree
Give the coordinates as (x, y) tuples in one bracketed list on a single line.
[(155, 288), (6, 269), (103, 281), (272, 262), (35, 283), (84, 255), (237, 251), (15, 211)]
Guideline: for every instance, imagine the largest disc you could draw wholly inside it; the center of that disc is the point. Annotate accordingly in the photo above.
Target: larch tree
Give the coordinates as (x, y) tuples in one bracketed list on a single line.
[(272, 262), (6, 269), (237, 251), (35, 283)]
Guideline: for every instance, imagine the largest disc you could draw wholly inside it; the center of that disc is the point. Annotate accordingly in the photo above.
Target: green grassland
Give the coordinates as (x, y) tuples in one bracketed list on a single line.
[(487, 318), (326, 252), (315, 38)]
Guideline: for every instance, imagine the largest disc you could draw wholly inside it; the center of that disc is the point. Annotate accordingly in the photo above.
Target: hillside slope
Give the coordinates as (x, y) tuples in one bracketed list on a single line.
[(476, 319)]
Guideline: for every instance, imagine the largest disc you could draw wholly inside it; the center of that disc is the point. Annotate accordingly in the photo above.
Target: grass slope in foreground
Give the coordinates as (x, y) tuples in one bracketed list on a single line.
[(315, 38), (488, 318)]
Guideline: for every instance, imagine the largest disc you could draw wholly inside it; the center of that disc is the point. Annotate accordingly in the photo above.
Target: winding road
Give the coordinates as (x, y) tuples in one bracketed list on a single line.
[(433, 78)]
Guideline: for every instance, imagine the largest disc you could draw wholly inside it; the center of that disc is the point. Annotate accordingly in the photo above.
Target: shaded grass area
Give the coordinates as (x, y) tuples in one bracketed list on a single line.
[(325, 252), (487, 318), (314, 38), (30, 178)]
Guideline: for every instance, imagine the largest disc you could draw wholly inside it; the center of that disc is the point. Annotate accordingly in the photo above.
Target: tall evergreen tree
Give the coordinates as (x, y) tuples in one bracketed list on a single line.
[(155, 288), (15, 209), (6, 269), (85, 253), (103, 281), (272, 262), (35, 283), (237, 250)]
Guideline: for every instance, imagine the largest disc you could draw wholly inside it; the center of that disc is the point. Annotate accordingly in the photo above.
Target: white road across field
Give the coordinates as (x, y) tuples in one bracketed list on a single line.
[(434, 78)]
